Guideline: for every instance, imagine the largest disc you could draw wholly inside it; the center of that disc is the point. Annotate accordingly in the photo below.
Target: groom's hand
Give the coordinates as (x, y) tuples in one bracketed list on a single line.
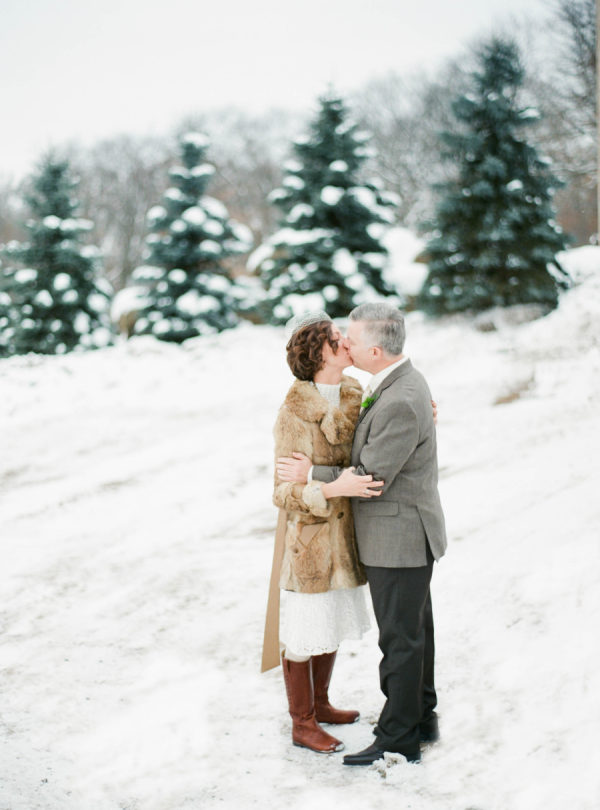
[(295, 469)]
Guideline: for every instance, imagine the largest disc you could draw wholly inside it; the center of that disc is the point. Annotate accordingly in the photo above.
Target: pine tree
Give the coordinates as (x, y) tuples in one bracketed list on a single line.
[(494, 234), (5, 308), (327, 253), (189, 291), (56, 301)]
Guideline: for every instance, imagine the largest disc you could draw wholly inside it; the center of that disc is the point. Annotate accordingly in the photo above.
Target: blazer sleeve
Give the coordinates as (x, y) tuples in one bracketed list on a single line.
[(326, 474), (294, 435)]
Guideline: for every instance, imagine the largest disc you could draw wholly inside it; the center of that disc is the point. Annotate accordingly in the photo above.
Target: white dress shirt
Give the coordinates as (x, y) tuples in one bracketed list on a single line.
[(378, 378)]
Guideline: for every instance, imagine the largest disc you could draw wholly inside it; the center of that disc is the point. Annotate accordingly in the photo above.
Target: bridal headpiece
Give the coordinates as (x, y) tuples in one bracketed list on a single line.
[(300, 321)]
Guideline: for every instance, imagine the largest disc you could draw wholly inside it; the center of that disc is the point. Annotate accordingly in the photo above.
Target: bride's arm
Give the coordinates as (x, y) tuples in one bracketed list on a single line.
[(335, 481)]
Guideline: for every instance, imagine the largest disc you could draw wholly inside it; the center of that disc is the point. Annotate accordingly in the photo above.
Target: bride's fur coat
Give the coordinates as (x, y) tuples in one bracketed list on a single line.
[(320, 550)]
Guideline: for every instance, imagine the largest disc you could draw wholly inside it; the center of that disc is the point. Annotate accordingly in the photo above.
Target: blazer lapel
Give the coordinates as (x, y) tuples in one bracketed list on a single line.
[(391, 378)]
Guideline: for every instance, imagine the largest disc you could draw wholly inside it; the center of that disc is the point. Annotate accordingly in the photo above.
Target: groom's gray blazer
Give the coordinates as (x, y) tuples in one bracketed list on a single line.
[(395, 441)]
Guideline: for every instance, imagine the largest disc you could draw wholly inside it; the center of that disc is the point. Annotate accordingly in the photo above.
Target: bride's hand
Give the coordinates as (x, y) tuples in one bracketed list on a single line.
[(352, 486), (294, 470)]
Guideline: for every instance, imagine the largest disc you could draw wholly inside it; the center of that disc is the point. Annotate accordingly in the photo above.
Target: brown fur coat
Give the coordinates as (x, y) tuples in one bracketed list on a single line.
[(320, 550)]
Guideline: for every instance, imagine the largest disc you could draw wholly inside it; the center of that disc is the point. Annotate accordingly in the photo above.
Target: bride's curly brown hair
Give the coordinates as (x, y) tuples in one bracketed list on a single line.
[(305, 349)]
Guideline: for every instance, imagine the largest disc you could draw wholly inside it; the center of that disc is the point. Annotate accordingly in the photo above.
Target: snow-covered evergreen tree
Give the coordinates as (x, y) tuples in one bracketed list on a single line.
[(189, 290), (328, 252), (494, 237), (5, 304), (52, 296)]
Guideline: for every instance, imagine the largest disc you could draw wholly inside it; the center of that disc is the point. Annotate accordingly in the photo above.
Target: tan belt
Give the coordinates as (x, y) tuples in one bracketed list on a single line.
[(270, 654)]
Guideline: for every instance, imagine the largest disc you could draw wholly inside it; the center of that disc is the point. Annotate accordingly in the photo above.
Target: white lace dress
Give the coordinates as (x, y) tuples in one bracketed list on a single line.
[(315, 623)]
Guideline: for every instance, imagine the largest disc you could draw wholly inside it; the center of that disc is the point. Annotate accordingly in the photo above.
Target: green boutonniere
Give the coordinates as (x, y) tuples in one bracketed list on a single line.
[(369, 401)]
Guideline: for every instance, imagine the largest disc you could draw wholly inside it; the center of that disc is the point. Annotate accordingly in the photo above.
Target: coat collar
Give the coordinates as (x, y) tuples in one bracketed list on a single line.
[(338, 424), (394, 375)]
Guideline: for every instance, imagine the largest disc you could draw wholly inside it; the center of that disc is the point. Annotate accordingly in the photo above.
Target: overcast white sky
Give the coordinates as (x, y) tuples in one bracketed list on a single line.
[(84, 69)]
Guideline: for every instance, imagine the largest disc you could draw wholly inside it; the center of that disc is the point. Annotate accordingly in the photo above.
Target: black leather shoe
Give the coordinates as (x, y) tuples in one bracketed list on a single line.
[(365, 757), (429, 730), (369, 755)]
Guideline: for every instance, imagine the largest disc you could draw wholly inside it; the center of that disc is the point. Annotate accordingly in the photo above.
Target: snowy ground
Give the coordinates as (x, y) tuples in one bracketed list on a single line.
[(136, 528)]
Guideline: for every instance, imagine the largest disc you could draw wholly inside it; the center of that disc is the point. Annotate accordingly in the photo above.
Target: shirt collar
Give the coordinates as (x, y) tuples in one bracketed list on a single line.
[(378, 378)]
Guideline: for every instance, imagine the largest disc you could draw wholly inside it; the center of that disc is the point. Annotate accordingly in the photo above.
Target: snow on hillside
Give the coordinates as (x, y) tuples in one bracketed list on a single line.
[(137, 526)]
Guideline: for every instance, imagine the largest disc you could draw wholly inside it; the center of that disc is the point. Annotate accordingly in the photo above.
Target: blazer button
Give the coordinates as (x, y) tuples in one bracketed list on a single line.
[(340, 516)]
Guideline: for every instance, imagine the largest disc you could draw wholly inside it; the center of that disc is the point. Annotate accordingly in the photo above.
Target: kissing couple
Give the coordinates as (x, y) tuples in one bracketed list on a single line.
[(356, 485)]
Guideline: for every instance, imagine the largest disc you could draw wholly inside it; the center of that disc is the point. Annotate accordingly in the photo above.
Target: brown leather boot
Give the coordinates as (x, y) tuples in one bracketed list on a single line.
[(322, 667), (306, 732)]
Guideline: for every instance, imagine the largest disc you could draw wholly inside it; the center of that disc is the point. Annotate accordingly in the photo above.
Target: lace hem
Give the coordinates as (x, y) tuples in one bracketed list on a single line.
[(316, 623)]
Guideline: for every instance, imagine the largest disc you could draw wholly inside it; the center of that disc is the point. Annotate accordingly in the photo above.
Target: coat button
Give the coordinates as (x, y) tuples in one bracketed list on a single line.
[(340, 516)]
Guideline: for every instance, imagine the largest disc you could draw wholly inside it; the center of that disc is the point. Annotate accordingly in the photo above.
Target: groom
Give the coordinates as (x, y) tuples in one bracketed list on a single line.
[(399, 534)]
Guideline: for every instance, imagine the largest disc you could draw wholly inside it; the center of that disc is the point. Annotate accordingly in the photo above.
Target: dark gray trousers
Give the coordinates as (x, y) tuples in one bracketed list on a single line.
[(402, 604)]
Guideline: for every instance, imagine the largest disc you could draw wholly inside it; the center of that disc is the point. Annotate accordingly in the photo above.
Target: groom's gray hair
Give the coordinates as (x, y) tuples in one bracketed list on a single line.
[(384, 326)]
